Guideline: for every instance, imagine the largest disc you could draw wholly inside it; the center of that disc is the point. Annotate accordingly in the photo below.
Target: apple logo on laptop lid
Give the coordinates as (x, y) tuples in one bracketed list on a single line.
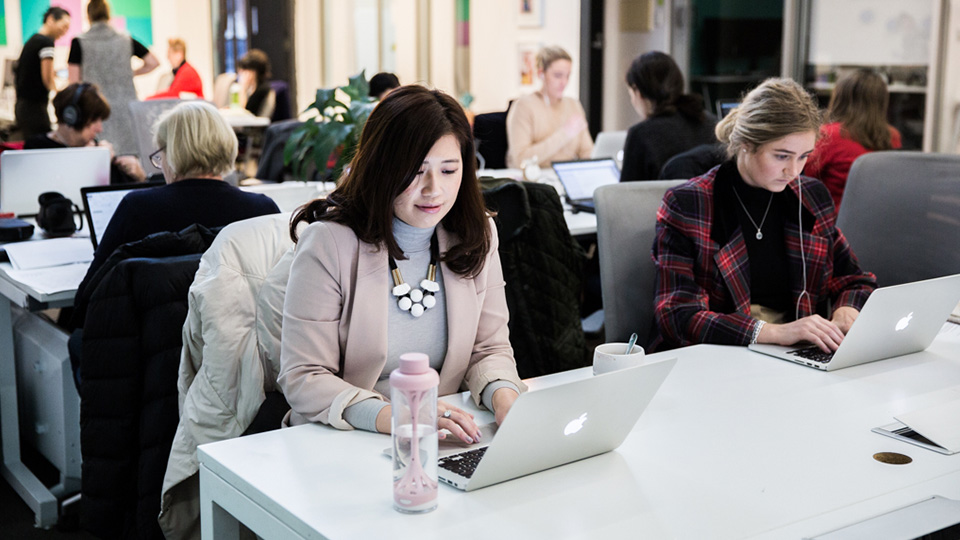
[(575, 425), (904, 322)]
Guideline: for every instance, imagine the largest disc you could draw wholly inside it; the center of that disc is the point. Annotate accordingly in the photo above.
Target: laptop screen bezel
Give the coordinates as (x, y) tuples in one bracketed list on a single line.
[(84, 191)]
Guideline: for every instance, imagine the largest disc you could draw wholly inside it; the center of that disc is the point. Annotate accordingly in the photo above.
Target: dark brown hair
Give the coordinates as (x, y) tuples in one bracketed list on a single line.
[(91, 104), (256, 61), (859, 102), (98, 10), (395, 141), (658, 78)]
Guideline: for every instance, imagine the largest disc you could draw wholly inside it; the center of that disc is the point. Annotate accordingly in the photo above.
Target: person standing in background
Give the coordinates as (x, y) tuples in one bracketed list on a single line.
[(34, 73), (857, 124), (545, 124), (186, 80), (101, 55)]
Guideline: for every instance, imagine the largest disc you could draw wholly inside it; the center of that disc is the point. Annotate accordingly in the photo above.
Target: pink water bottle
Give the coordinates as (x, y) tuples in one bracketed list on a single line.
[(413, 396)]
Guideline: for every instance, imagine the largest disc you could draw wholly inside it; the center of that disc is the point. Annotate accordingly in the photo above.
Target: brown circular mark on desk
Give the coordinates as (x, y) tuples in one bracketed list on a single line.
[(892, 458)]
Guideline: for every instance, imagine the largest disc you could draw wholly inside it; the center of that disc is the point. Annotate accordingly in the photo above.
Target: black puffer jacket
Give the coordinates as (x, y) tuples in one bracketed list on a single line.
[(129, 366), (543, 269)]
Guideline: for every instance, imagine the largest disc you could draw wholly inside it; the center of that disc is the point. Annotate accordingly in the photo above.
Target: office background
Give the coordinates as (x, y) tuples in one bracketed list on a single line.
[(484, 47)]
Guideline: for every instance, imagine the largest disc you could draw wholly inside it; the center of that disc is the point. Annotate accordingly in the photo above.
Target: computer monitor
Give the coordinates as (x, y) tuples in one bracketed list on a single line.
[(724, 106), (25, 174)]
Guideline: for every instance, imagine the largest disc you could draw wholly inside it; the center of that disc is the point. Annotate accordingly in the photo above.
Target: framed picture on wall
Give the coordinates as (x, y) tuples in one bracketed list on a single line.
[(527, 62), (530, 14)]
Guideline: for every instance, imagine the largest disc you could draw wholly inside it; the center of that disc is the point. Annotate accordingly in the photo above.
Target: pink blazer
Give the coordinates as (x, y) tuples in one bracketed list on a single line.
[(334, 341)]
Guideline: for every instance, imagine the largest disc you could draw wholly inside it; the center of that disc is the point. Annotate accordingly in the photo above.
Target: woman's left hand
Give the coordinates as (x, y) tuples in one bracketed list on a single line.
[(503, 399), (843, 317)]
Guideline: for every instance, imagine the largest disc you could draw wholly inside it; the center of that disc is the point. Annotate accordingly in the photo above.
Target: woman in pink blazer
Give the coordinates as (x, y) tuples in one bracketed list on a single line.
[(401, 257)]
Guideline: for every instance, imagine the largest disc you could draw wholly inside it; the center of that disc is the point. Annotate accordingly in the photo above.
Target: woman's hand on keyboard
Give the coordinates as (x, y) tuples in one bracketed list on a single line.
[(815, 329), (843, 317), (458, 422)]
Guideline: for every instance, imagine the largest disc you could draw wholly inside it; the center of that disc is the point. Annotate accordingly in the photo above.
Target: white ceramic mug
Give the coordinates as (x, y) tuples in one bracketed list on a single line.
[(612, 356)]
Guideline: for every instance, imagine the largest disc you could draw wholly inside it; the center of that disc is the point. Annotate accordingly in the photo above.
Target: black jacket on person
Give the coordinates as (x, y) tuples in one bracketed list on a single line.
[(543, 271), (653, 141), (128, 399)]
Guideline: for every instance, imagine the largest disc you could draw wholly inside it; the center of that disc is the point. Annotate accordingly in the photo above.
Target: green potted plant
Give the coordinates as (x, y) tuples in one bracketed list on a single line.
[(326, 142)]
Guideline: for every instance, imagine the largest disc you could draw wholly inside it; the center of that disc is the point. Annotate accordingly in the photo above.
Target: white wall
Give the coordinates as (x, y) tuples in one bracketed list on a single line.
[(620, 48), (494, 62)]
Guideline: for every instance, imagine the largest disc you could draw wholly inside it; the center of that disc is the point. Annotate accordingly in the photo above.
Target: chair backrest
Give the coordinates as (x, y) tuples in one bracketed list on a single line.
[(901, 213), (626, 219), (281, 109), (490, 131), (221, 88), (145, 115)]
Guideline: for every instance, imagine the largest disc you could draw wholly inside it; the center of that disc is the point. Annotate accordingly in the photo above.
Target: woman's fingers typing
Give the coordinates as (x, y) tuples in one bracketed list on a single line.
[(458, 422)]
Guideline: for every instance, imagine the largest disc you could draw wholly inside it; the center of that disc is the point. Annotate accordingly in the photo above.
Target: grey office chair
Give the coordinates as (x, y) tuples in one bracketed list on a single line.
[(626, 218), (901, 213), (145, 115)]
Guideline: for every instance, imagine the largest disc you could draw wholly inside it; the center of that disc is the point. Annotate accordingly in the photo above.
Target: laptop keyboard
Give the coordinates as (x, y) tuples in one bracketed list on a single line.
[(464, 463), (813, 353)]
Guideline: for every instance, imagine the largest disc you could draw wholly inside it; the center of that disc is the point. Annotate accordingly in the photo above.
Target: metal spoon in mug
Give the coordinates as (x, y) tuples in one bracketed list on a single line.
[(631, 343)]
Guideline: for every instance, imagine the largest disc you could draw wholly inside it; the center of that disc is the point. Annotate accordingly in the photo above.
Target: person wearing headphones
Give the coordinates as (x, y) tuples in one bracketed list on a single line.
[(750, 252), (81, 110), (545, 124)]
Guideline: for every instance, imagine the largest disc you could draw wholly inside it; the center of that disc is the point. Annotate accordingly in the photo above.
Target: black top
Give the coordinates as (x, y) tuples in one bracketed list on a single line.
[(769, 269), (28, 80), (42, 141), (76, 54), (256, 99), (653, 141), (174, 207)]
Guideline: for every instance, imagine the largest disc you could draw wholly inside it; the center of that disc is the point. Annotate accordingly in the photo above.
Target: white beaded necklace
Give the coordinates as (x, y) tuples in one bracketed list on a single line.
[(416, 301)]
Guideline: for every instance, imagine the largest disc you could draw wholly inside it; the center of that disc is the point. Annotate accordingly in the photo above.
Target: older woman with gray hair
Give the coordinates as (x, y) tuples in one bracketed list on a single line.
[(195, 148)]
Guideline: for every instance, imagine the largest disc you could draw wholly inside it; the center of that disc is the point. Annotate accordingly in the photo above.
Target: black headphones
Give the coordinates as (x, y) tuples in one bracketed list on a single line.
[(72, 115)]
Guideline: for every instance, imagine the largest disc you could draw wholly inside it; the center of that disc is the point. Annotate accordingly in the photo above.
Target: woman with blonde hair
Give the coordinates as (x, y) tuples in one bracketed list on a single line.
[(195, 148), (545, 124), (857, 118), (749, 252)]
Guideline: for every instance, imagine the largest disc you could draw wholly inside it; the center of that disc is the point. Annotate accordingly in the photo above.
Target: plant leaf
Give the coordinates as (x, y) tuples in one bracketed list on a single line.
[(358, 87)]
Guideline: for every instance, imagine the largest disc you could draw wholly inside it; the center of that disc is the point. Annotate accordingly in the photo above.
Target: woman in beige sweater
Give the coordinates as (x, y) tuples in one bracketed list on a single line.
[(545, 124)]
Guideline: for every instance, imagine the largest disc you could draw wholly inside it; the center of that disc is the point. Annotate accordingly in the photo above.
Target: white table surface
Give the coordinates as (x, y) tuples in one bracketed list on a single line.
[(734, 445)]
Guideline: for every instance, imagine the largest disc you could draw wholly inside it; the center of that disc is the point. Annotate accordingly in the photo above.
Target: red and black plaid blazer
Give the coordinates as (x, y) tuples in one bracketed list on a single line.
[(703, 287)]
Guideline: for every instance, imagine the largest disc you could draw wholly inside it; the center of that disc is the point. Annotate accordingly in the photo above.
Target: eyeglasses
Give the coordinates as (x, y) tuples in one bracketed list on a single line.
[(155, 159)]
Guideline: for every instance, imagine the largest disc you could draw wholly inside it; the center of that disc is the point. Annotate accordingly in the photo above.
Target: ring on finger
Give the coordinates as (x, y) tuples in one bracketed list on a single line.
[(447, 413)]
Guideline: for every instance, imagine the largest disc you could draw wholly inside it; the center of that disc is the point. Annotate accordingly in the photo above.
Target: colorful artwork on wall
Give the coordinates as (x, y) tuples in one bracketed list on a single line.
[(131, 16)]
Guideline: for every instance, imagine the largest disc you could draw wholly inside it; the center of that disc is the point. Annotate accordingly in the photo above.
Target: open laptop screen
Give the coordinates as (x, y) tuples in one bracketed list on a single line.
[(581, 178), (26, 174), (100, 202)]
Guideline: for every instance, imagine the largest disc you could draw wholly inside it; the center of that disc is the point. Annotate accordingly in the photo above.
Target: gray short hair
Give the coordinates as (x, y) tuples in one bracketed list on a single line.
[(197, 141)]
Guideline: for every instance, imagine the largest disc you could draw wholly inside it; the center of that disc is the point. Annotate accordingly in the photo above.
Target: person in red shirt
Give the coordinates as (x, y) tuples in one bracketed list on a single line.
[(857, 124), (185, 77)]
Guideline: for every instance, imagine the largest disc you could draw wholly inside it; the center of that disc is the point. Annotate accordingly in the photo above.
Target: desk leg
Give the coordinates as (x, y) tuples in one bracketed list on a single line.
[(23, 481), (215, 522)]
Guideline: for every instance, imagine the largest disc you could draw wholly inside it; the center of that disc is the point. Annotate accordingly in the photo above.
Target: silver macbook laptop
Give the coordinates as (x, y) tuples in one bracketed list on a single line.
[(581, 178), (894, 321), (609, 144), (100, 202), (25, 174), (558, 425)]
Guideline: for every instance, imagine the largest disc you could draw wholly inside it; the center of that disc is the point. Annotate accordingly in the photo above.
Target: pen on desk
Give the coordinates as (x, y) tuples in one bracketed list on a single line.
[(631, 343)]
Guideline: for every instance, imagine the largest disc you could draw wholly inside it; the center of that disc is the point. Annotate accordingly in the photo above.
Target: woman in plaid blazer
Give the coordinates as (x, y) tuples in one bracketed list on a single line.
[(750, 252)]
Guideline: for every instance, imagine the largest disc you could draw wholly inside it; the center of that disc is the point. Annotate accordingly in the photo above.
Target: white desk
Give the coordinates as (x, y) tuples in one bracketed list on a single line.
[(729, 448), (41, 500)]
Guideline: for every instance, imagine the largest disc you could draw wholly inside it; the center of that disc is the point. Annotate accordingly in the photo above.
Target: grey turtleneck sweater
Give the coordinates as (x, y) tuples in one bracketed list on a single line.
[(405, 333)]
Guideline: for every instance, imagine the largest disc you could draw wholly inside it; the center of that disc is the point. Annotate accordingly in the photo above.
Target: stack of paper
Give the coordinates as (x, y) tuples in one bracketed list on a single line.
[(50, 266)]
